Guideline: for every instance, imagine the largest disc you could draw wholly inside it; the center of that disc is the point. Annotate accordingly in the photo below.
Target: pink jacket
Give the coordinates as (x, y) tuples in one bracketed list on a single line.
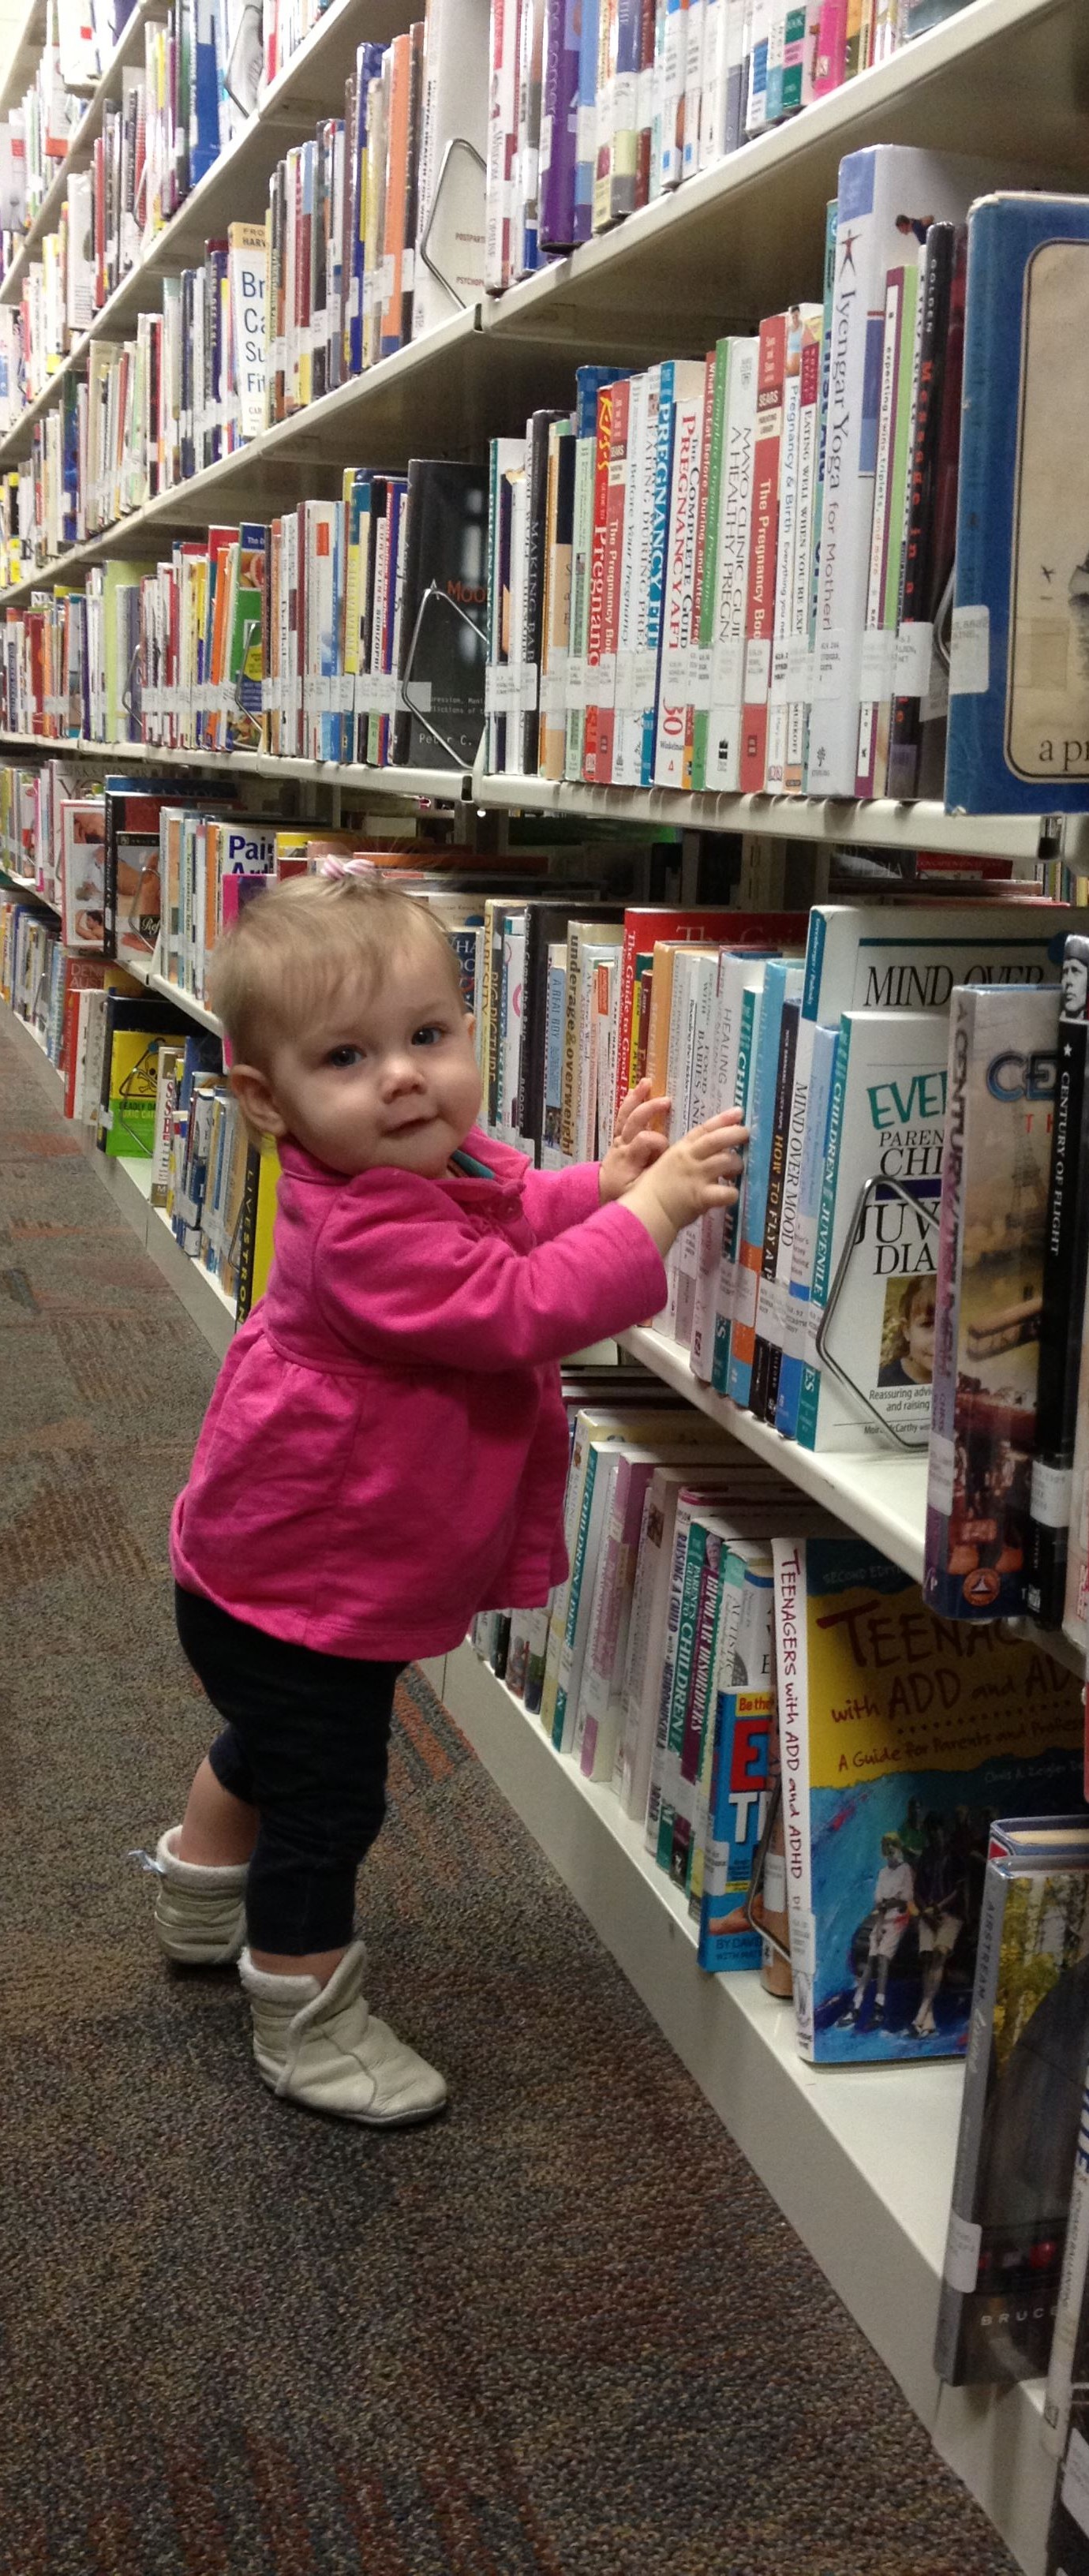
[(386, 1449)]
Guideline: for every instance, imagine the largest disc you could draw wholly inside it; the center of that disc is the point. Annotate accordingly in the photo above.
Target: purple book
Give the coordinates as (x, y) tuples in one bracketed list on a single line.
[(559, 125)]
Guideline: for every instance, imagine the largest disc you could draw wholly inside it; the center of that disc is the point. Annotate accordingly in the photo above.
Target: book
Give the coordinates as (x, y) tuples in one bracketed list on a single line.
[(1002, 1074), (447, 518), (1066, 1256), (877, 1257), (1022, 2102), (1017, 740), (888, 196), (901, 1739)]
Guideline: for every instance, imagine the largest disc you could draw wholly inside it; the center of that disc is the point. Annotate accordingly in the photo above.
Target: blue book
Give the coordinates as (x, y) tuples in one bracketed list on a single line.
[(204, 101), (1018, 738), (805, 1229), (782, 981), (740, 1778)]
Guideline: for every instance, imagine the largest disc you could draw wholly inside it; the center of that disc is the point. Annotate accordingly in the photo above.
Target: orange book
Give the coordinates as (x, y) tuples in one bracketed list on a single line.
[(396, 206)]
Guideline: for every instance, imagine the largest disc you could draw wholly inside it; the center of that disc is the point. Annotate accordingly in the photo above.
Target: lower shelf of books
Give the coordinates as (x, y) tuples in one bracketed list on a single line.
[(860, 2160), (129, 1184)]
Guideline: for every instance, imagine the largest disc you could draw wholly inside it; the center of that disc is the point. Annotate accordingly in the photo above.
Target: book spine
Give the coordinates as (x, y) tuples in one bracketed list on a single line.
[(915, 639), (660, 1755), (1066, 1241), (1065, 2331), (765, 1295), (942, 1452), (596, 578), (791, 1658), (809, 1398), (731, 1228), (678, 577), (962, 2245), (801, 1260), (679, 1860), (708, 551), (760, 604)]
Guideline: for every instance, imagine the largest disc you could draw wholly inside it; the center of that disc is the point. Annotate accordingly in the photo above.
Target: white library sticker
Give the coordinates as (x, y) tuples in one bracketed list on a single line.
[(970, 652), (962, 2252)]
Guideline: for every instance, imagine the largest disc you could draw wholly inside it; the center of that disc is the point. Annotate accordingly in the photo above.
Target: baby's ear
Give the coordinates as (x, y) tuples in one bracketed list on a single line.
[(251, 1090)]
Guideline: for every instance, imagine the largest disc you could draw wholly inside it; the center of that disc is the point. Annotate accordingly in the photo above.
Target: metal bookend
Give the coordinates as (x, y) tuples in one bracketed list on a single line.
[(929, 1215), (457, 143), (756, 1881), (444, 601)]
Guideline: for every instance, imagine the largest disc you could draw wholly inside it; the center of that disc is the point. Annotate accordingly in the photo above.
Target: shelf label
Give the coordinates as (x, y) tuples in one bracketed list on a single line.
[(962, 2245), (970, 652)]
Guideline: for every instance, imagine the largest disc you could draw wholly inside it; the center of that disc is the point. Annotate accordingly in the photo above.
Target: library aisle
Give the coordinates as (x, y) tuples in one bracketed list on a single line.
[(563, 2330)]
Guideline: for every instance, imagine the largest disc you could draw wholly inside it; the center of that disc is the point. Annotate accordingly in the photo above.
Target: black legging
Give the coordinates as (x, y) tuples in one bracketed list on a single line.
[(305, 1740)]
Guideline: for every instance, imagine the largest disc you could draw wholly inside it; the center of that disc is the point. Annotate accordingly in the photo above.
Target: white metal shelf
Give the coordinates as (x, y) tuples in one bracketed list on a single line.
[(827, 821), (860, 2159)]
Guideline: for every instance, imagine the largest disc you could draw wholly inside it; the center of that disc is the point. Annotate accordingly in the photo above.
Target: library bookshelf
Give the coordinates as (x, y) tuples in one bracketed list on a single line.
[(860, 2161)]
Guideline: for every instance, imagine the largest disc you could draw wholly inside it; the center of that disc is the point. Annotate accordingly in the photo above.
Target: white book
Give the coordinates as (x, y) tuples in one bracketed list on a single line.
[(694, 77), (779, 680), (731, 576), (450, 184), (732, 970), (677, 578), (247, 283), (699, 1104), (888, 195)]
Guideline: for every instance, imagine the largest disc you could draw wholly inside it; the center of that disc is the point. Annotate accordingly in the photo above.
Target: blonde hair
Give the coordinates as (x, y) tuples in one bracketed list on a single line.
[(292, 950)]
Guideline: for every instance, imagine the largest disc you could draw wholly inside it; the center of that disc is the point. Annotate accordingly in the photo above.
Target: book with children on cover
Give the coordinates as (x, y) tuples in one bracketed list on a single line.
[(902, 1736)]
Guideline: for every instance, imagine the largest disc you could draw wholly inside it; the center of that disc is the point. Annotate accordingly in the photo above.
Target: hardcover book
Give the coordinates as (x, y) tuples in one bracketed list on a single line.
[(1021, 2107), (1018, 729)]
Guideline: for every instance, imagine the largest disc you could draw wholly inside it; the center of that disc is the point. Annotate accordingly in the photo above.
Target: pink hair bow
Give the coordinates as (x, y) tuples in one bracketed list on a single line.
[(332, 866)]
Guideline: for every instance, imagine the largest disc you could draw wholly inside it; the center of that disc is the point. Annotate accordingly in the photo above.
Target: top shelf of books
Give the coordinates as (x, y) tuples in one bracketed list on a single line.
[(23, 59)]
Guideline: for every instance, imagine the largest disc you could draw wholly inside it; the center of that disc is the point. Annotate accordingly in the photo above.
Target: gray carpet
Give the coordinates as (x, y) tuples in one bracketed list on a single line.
[(562, 2333)]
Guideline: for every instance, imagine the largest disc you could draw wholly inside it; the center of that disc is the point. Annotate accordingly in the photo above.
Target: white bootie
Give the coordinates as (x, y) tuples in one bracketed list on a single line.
[(322, 2045), (200, 1914)]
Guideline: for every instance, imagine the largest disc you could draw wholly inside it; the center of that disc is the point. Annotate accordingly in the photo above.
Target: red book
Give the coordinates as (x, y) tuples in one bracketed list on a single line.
[(605, 402), (615, 504), (760, 608), (774, 930)]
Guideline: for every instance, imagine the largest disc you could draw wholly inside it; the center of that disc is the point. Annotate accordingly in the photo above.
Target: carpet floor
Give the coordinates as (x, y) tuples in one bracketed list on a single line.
[(564, 2332)]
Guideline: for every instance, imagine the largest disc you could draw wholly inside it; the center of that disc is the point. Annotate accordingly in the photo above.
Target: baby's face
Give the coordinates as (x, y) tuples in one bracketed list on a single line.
[(384, 1077), (921, 1333)]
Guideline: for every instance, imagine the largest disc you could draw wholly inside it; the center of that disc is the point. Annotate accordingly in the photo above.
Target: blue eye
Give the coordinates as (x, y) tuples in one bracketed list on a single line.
[(342, 1056)]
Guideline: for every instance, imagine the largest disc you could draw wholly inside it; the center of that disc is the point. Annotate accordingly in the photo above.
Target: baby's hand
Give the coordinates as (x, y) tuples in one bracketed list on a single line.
[(698, 1173), (636, 1143)]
